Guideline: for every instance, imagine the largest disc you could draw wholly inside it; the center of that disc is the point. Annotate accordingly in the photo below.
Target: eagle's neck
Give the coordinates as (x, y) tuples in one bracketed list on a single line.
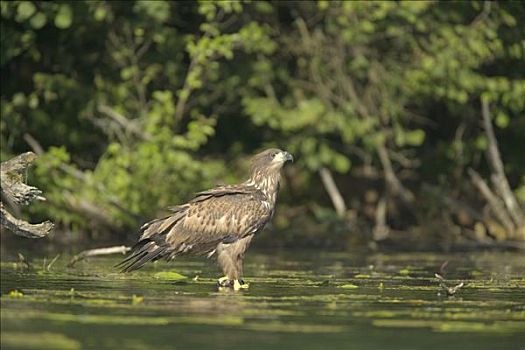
[(268, 184)]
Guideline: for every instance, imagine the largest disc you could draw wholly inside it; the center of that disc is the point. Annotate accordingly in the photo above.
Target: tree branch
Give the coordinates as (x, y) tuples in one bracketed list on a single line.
[(333, 191), (494, 202), (499, 178), (23, 228), (99, 251), (390, 177), (125, 123)]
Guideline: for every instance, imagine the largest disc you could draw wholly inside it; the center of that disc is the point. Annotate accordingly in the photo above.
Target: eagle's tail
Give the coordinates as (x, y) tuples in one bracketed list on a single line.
[(144, 251), (152, 244)]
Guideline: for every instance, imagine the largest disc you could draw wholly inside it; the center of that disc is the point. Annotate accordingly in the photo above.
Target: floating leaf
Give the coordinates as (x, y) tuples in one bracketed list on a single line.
[(15, 294), (137, 299), (167, 275)]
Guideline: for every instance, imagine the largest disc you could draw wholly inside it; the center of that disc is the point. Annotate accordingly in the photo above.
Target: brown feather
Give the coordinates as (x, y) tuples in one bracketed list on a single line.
[(223, 219)]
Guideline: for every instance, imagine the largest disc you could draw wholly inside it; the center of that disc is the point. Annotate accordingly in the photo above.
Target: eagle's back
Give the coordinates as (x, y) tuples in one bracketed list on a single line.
[(224, 214)]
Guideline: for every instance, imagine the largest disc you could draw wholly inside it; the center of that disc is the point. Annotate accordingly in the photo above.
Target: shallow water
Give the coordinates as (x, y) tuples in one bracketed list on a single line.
[(304, 300)]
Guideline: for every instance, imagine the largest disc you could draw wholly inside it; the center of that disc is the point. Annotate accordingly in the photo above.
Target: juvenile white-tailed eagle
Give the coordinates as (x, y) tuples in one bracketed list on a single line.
[(221, 222)]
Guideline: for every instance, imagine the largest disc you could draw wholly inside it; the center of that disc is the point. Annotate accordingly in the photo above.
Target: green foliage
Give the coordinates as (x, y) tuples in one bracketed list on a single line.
[(139, 104)]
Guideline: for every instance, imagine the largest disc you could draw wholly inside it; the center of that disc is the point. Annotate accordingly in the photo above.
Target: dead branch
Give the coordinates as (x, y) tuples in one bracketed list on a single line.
[(333, 191), (47, 267), (124, 123), (496, 205), (16, 191), (88, 209), (498, 177), (22, 260), (12, 180), (449, 290), (99, 251), (23, 228), (392, 181), (381, 229)]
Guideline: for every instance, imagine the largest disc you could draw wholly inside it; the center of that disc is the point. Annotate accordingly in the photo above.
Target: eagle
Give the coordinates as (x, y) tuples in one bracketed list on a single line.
[(219, 222)]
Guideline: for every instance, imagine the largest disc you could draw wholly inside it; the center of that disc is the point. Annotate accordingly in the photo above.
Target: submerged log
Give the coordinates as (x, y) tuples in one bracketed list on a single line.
[(15, 191)]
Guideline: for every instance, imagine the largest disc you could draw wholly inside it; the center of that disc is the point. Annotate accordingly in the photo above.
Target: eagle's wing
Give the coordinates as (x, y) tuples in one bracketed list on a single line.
[(224, 214), (223, 191)]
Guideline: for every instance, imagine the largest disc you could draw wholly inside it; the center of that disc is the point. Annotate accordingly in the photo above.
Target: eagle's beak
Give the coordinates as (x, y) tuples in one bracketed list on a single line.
[(288, 156)]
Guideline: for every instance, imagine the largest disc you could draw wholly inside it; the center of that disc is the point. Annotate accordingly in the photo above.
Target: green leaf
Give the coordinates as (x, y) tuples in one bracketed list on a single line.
[(157, 10), (38, 21), (64, 17), (25, 10), (167, 275), (415, 137), (502, 120), (100, 13)]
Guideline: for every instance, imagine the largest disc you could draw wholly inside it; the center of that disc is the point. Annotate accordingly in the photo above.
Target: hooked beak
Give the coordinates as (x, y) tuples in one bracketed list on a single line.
[(288, 156)]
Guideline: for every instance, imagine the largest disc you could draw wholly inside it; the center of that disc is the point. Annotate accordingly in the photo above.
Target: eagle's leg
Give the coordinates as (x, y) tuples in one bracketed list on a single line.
[(230, 257)]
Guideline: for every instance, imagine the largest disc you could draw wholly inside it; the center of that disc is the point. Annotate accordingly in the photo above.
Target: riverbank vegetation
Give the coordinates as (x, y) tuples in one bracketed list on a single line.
[(406, 119)]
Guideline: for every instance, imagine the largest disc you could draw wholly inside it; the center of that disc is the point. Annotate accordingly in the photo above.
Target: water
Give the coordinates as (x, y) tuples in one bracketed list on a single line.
[(300, 300)]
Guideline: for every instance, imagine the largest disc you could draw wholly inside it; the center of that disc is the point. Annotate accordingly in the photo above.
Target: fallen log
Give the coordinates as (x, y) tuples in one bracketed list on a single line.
[(15, 191)]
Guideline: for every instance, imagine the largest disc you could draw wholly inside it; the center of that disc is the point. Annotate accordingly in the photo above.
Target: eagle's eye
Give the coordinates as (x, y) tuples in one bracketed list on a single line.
[(273, 154)]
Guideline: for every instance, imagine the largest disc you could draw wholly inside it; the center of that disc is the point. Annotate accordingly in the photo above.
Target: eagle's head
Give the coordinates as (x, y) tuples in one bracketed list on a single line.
[(270, 161), (266, 171)]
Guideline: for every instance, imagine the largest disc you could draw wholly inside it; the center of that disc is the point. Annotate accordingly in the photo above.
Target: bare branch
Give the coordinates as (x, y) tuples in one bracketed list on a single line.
[(449, 290), (99, 251), (23, 228), (15, 190), (496, 206), (390, 177), (127, 124), (381, 229), (499, 178), (333, 191)]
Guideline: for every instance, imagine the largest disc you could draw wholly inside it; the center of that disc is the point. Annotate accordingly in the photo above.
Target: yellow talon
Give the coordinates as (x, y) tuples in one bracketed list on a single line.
[(238, 286)]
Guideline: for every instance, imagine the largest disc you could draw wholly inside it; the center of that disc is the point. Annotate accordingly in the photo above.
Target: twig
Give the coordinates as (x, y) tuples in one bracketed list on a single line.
[(48, 266), (124, 122), (449, 290), (333, 191), (33, 143), (443, 267), (22, 259), (99, 251)]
